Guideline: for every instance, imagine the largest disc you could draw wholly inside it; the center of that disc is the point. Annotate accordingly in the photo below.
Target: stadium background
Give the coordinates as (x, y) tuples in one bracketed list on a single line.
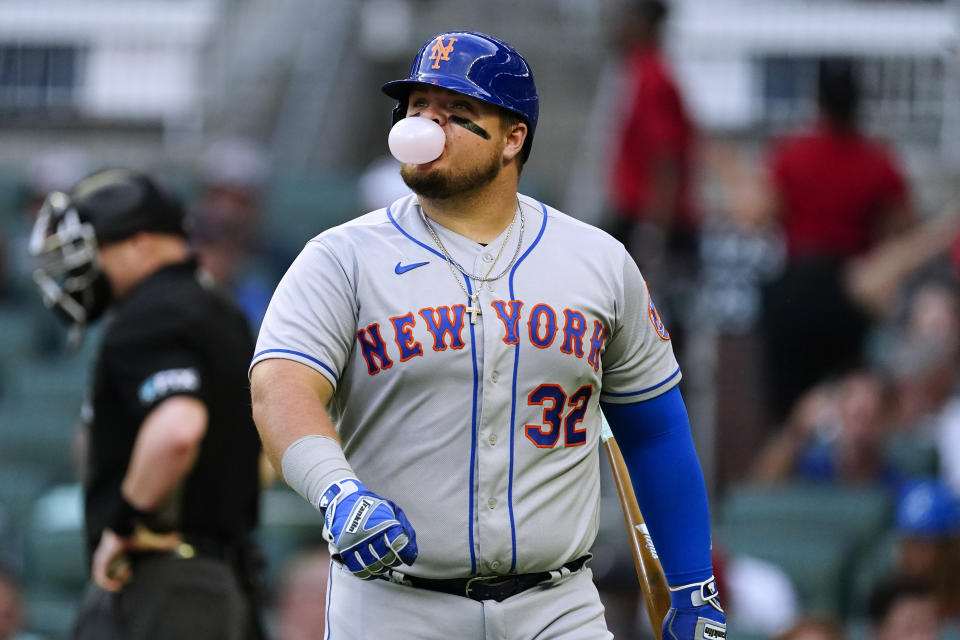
[(157, 84)]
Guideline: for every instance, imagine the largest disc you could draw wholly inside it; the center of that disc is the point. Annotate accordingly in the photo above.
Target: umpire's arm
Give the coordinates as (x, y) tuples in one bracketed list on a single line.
[(289, 402), (164, 452), (166, 449)]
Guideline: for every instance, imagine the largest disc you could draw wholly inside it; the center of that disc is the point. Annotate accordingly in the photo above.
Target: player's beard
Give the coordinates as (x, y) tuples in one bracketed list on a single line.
[(439, 185)]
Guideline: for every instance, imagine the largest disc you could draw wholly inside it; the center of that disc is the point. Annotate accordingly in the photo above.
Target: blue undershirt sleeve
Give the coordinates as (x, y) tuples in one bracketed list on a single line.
[(654, 437)]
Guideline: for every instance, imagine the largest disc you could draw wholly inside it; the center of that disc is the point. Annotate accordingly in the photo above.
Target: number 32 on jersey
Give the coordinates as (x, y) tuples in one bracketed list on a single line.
[(562, 415)]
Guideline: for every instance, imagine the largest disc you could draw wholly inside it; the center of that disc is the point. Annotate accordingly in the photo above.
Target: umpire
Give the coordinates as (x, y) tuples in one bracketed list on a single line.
[(171, 482)]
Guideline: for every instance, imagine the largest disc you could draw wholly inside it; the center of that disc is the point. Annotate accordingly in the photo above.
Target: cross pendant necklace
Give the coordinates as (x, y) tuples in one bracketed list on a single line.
[(474, 308)]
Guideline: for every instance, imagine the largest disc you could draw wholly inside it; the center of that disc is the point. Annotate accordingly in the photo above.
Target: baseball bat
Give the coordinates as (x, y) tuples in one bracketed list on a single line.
[(653, 584)]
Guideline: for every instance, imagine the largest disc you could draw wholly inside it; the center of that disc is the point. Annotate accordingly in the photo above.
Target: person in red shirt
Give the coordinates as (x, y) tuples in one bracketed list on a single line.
[(838, 194), (652, 209), (837, 191)]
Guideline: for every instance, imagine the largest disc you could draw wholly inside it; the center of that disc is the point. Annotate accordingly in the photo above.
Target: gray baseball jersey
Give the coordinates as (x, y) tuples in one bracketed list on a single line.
[(485, 434)]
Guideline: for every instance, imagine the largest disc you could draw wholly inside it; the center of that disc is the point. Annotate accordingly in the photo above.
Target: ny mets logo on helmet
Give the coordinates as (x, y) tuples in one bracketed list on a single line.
[(440, 51)]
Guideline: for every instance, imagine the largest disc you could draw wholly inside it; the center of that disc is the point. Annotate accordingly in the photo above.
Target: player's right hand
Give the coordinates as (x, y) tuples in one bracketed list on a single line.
[(695, 613), (370, 533)]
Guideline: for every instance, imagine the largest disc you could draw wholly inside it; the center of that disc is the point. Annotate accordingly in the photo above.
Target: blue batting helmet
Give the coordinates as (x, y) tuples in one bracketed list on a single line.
[(476, 65)]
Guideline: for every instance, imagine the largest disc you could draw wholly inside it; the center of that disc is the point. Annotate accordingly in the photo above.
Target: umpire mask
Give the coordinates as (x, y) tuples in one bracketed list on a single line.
[(68, 274)]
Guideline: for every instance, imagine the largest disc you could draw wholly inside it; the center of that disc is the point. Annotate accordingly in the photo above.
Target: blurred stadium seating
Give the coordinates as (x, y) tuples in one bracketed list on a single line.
[(300, 206), (55, 567), (816, 533), (16, 342)]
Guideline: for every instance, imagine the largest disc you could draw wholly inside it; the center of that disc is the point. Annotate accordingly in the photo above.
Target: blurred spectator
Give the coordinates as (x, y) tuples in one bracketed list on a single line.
[(835, 433), (234, 169), (10, 607), (818, 440), (935, 313), (928, 542), (836, 194), (903, 609), (301, 610), (812, 304), (737, 259), (813, 628), (925, 362), (737, 252), (227, 218), (925, 356), (233, 176), (651, 199), (759, 595)]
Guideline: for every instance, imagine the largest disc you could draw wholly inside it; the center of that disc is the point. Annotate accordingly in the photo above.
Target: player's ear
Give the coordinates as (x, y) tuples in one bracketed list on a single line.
[(514, 136)]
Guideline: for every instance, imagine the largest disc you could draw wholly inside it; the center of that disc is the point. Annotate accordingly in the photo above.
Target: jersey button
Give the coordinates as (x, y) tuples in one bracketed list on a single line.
[(487, 257), (493, 439), (494, 376), (492, 503), (495, 565)]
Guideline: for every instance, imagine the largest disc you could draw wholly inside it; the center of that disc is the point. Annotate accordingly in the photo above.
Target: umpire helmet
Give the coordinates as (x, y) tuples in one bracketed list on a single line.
[(476, 65), (105, 207)]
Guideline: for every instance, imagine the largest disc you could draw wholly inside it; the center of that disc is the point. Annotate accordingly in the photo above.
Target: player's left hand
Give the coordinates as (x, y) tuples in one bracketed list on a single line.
[(696, 613), (370, 533)]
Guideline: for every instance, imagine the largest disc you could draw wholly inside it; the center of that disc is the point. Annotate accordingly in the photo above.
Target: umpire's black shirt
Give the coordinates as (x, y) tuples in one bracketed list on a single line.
[(171, 335)]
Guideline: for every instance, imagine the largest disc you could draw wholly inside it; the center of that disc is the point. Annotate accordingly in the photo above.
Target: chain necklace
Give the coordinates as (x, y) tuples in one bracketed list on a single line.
[(474, 308)]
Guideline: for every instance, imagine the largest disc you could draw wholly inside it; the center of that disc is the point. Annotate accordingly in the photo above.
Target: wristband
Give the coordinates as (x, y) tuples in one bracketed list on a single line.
[(312, 464), (696, 594), (124, 517)]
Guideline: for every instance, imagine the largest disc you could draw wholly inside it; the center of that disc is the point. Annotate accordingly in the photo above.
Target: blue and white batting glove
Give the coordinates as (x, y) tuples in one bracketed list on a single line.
[(695, 613), (370, 533)]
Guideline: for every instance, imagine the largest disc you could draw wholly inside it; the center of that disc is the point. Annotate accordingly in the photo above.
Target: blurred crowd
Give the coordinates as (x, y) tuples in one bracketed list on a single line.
[(831, 298)]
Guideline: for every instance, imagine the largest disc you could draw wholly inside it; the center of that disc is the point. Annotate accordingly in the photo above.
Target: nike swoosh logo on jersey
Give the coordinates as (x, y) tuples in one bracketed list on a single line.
[(400, 269)]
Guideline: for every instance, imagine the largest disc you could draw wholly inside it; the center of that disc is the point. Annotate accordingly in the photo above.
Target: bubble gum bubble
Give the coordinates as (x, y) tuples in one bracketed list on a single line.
[(416, 140)]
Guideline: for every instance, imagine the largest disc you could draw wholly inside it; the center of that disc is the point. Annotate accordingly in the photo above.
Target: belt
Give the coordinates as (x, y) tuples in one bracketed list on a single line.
[(218, 548), (492, 587)]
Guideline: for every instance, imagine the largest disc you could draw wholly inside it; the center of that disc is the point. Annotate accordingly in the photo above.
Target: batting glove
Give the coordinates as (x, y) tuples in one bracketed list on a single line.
[(370, 533), (696, 613)]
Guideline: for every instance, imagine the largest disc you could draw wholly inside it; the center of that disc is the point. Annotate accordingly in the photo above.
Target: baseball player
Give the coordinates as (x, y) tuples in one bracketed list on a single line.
[(430, 377)]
